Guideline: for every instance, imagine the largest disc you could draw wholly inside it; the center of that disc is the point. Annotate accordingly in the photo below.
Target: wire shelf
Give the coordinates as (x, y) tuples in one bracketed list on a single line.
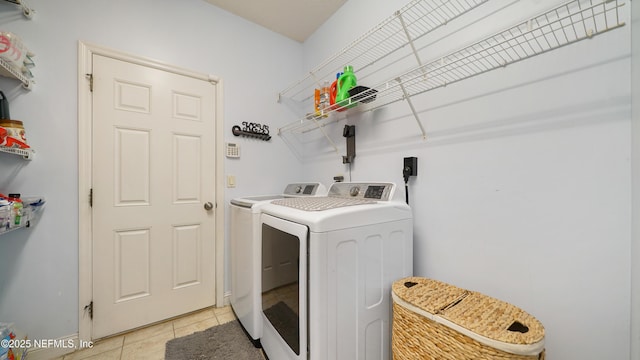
[(566, 24), (26, 154), (31, 206), (408, 24), (8, 70)]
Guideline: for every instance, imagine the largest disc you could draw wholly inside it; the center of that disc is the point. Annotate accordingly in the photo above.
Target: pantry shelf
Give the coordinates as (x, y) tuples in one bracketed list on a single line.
[(30, 207), (9, 71), (26, 154), (563, 25), (13, 62)]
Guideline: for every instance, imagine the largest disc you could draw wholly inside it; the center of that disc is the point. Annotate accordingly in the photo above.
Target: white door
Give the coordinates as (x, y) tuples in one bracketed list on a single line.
[(153, 177)]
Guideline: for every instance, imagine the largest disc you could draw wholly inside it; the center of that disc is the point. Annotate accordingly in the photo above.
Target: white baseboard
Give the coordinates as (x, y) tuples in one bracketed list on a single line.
[(227, 299)]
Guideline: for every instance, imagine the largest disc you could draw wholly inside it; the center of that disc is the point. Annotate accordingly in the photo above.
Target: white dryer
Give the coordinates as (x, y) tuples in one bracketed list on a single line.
[(245, 253), (329, 265)]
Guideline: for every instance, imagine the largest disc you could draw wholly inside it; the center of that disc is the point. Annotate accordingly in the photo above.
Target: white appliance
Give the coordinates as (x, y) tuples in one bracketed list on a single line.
[(245, 253), (329, 265)]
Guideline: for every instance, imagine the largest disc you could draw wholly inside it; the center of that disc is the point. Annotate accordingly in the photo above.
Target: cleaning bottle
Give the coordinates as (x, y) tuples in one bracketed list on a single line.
[(324, 98), (333, 90), (316, 101), (346, 81), (17, 209)]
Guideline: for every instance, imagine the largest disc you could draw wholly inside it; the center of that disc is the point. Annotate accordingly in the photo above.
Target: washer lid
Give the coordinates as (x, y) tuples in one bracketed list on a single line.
[(291, 190), (249, 201)]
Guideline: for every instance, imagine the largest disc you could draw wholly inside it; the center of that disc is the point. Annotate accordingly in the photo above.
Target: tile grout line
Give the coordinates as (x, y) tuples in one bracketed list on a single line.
[(121, 349)]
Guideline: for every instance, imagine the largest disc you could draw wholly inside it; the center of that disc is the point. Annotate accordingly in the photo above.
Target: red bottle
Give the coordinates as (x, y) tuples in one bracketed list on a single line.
[(333, 90)]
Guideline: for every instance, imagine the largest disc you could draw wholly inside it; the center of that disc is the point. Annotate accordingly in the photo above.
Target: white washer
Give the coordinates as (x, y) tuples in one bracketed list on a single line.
[(245, 253), (332, 262)]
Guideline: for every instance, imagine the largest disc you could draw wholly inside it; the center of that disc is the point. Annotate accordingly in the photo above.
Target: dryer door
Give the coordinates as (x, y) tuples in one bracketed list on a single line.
[(284, 288)]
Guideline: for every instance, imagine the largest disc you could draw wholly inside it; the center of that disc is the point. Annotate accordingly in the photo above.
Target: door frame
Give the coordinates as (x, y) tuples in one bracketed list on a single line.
[(85, 240)]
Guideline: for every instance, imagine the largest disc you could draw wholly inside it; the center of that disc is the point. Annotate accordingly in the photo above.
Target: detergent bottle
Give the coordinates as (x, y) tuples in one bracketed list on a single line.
[(333, 90), (346, 81)]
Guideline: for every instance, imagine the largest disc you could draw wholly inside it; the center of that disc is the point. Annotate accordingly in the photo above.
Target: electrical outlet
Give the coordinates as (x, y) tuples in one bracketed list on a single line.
[(409, 169)]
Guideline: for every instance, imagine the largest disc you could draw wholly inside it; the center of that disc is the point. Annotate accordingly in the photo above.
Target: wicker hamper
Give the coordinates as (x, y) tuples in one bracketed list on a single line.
[(435, 320)]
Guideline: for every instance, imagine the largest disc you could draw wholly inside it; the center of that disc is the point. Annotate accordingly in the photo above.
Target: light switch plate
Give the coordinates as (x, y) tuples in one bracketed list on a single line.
[(231, 181)]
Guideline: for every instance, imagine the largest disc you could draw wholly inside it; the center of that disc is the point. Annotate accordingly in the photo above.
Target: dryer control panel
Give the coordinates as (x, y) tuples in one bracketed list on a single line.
[(372, 191), (305, 189)]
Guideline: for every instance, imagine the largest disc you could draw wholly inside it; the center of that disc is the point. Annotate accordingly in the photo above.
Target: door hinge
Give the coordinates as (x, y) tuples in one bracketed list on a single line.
[(90, 78), (91, 197), (89, 309)]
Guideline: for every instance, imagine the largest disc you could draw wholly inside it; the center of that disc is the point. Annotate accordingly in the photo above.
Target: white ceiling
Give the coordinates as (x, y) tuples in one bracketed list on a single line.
[(296, 19)]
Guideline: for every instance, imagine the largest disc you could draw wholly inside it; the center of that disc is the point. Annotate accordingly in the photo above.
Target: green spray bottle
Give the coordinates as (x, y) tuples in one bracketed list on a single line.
[(346, 81)]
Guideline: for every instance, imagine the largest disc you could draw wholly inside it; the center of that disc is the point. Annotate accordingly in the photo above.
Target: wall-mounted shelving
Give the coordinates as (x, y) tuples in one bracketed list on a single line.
[(30, 207), (405, 26), (560, 26), (17, 214), (6, 68), (9, 71)]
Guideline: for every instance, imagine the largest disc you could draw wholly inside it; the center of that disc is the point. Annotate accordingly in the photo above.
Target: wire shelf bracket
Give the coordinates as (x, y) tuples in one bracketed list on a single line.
[(26, 10), (413, 109)]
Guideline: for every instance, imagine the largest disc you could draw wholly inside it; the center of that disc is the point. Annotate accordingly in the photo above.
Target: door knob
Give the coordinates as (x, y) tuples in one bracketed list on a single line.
[(208, 205)]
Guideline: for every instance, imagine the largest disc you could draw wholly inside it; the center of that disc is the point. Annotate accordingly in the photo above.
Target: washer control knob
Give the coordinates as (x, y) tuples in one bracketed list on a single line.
[(354, 191), (298, 189)]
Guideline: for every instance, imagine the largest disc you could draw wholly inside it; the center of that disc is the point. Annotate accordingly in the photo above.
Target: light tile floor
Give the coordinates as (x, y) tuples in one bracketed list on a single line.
[(149, 343)]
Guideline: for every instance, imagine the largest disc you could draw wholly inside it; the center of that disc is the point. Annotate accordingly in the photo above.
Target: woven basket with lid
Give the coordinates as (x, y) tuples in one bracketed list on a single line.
[(435, 320)]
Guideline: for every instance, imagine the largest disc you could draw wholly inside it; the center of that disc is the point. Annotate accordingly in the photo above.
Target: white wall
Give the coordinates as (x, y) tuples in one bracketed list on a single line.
[(635, 163), (39, 266), (524, 187)]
